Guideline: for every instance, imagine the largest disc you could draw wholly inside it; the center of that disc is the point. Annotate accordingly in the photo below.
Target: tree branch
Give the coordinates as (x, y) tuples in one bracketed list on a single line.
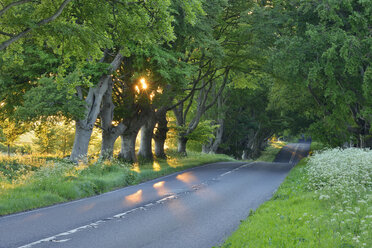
[(6, 34), (188, 106), (220, 91), (12, 5), (6, 43)]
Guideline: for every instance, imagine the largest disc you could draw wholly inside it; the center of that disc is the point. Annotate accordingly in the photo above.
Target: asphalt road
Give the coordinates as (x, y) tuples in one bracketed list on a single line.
[(199, 207)]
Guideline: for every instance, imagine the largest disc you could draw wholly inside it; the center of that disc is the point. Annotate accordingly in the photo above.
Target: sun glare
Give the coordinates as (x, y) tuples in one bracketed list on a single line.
[(137, 89), (156, 166), (143, 83), (136, 168)]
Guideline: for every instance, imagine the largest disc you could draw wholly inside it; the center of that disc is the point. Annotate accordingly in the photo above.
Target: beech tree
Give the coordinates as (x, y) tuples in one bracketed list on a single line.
[(324, 49), (131, 107), (212, 69), (101, 34)]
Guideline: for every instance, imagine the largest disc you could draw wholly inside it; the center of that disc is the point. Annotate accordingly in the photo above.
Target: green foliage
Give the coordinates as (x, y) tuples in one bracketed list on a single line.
[(50, 99), (66, 134), (46, 138), (202, 133), (17, 149), (18, 167), (324, 50), (2, 136), (18, 78), (248, 120), (317, 146), (54, 137), (77, 39), (11, 130)]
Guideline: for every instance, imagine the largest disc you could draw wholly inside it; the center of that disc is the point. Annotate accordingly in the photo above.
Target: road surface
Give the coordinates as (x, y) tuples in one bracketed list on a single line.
[(199, 207)]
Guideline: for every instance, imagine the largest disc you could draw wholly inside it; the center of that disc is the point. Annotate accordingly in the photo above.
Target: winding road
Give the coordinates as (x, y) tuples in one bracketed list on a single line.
[(199, 207)]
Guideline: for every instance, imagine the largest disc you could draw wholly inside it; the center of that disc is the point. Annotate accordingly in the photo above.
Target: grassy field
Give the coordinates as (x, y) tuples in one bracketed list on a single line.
[(324, 202), (28, 182)]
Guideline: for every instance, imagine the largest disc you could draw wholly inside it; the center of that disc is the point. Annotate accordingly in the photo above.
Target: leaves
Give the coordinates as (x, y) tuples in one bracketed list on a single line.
[(50, 99)]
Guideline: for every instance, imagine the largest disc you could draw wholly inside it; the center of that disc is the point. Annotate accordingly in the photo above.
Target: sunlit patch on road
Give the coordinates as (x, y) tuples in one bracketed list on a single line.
[(187, 178), (134, 198), (161, 190), (159, 184), (87, 207)]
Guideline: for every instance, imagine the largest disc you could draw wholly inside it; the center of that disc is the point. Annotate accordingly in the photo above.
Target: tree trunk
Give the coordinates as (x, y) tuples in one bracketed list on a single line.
[(206, 148), (110, 132), (213, 144), (128, 146), (201, 107), (8, 150), (128, 137), (81, 142), (180, 120), (159, 148), (109, 136), (147, 133), (108, 141), (369, 141), (161, 135), (245, 155), (93, 101), (182, 141)]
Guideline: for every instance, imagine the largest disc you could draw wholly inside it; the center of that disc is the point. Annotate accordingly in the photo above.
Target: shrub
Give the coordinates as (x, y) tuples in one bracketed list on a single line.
[(342, 179)]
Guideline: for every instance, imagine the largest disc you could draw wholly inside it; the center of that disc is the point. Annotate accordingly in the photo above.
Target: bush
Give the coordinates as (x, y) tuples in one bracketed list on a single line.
[(343, 179)]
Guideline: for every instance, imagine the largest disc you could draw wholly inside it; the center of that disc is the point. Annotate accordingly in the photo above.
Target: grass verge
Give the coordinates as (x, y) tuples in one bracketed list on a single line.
[(315, 207), (26, 185)]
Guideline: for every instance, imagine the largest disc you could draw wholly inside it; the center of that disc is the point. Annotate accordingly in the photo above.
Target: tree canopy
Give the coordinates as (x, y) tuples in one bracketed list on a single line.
[(226, 73)]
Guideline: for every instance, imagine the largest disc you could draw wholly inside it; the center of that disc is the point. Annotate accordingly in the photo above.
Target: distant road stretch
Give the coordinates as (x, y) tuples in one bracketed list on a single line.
[(199, 207)]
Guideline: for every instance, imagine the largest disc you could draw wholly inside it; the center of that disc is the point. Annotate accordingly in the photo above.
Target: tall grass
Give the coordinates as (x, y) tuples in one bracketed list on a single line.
[(324, 202), (30, 183)]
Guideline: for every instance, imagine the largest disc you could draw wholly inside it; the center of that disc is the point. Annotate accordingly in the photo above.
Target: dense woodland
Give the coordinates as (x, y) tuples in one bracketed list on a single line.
[(224, 74)]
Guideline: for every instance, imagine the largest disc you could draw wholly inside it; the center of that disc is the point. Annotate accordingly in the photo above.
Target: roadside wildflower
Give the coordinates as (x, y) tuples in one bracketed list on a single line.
[(344, 177)]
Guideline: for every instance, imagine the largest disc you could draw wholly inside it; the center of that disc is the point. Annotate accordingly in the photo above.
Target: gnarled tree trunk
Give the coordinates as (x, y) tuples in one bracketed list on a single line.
[(84, 127), (83, 133), (147, 132), (128, 146), (213, 144), (110, 133), (201, 107), (182, 141), (128, 137)]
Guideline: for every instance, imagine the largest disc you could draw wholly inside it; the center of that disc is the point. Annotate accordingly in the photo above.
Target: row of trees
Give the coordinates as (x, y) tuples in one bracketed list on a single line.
[(231, 72)]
